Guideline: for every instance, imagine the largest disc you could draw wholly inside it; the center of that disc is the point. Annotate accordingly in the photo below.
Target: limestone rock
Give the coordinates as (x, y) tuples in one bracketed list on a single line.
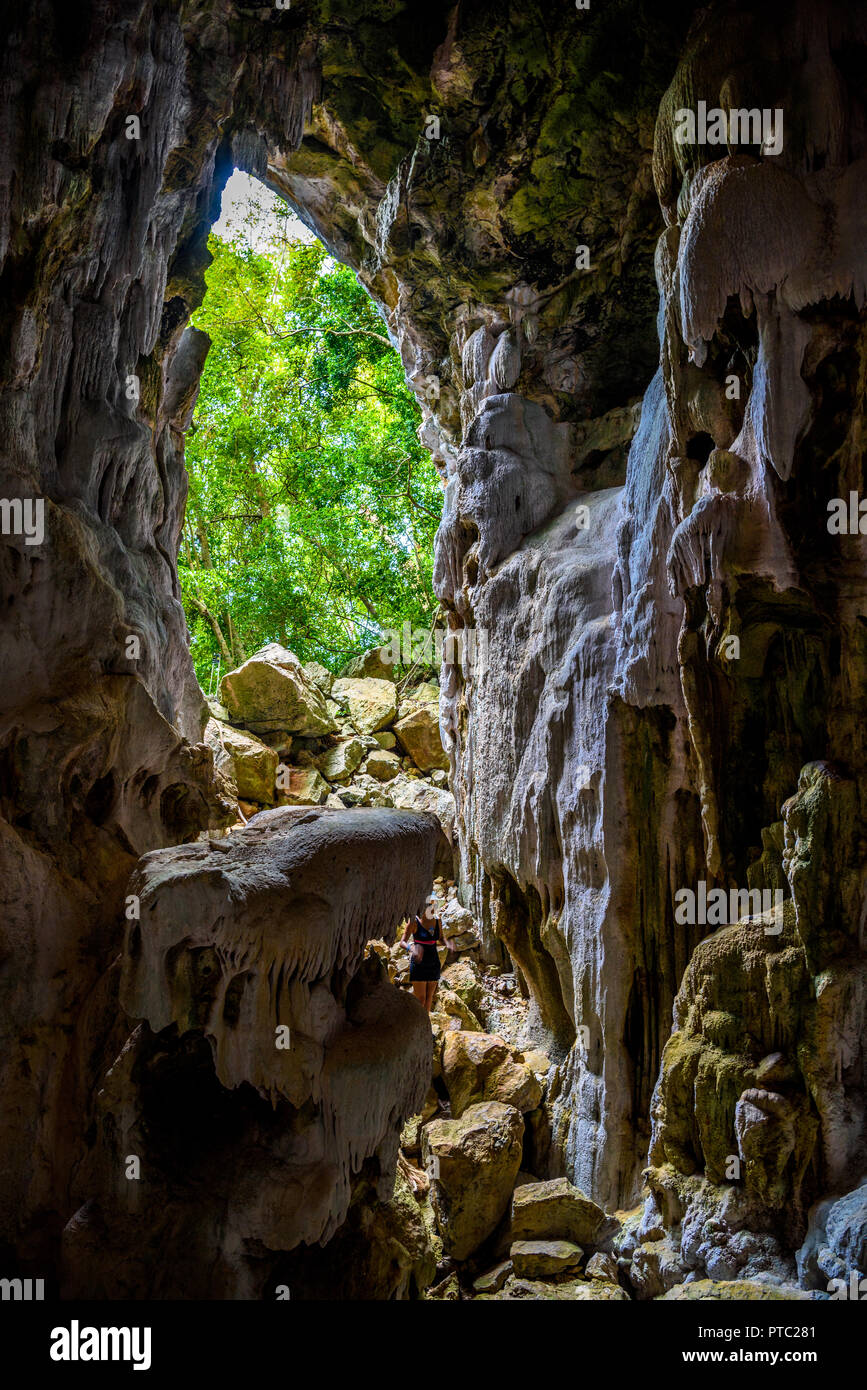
[(662, 634), (372, 702), (735, 1291), (420, 796), (477, 1067), (273, 691), (301, 786), (835, 1246), (537, 1061), (450, 1003), (251, 764), (566, 1291), (473, 1162), (494, 1279), (456, 919), (464, 979), (602, 1266), (418, 733), (284, 900), (540, 1259), (337, 764), (425, 693), (556, 1210), (320, 675), (656, 1266), (448, 1291), (371, 663), (386, 740), (384, 1250), (382, 765)]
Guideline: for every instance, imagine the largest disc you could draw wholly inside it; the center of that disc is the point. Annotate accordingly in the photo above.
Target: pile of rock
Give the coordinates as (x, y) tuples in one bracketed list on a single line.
[(287, 733), (496, 1231)]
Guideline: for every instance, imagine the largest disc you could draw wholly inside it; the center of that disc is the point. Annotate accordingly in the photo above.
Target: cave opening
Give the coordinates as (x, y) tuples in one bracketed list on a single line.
[(312, 505)]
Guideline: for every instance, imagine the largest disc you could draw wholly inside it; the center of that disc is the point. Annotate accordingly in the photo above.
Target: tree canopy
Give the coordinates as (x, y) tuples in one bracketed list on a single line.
[(312, 506)]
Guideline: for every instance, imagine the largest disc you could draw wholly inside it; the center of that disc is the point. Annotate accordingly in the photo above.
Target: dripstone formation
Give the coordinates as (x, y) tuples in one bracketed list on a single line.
[(641, 364)]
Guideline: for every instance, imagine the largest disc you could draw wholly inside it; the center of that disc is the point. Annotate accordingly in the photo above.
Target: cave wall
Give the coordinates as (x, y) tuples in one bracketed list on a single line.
[(611, 515)]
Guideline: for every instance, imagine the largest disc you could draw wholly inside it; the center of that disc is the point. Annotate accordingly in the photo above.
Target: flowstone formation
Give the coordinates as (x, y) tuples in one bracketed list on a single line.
[(294, 1059), (668, 576)]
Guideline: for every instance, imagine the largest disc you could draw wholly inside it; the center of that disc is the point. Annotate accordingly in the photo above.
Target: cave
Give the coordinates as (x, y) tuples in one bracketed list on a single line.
[(639, 365)]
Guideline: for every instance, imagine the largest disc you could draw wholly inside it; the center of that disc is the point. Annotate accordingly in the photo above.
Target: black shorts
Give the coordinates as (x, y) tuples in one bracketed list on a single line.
[(426, 969)]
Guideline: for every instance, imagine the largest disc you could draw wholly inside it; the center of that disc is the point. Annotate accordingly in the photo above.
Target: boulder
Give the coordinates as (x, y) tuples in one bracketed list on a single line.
[(408, 795), (539, 1259), (337, 764), (568, 1290), (273, 691), (733, 1290), (382, 765), (557, 1210), (539, 1062), (494, 1279), (465, 979), (301, 786), (418, 733), (448, 1291), (372, 703), (452, 1004), (835, 1245), (467, 941), (656, 1266), (371, 663), (239, 755), (353, 796), (386, 740), (472, 1057), (320, 675), (280, 740), (602, 1266), (515, 1084), (480, 1067), (473, 1162), (425, 693), (456, 919)]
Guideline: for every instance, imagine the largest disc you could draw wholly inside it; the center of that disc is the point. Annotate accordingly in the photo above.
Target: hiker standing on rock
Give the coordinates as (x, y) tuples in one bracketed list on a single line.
[(424, 962)]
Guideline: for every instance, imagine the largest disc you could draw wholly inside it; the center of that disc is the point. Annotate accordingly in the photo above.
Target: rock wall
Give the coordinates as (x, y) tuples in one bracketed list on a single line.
[(645, 751), (500, 178)]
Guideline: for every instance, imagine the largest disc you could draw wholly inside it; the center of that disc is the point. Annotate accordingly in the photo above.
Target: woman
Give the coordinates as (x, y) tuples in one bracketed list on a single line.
[(426, 931)]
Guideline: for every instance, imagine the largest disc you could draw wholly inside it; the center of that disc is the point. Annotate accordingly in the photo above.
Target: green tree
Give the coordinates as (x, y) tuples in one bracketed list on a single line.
[(312, 506)]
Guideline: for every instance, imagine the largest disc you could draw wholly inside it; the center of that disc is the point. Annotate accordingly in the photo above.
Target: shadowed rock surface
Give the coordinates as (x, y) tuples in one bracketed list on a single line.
[(251, 949)]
